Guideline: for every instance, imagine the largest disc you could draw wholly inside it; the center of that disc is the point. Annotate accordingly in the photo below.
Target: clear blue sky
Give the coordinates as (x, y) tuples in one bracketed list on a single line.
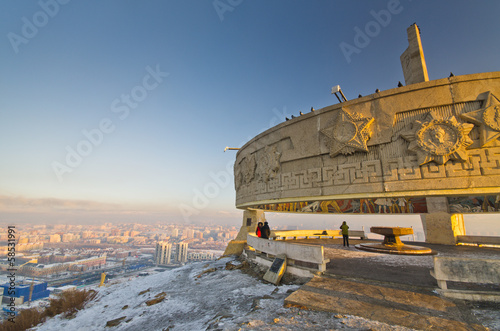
[(222, 75)]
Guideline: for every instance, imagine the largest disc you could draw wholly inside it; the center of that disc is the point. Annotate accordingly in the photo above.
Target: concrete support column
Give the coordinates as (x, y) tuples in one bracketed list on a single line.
[(249, 225), (441, 227), (250, 220)]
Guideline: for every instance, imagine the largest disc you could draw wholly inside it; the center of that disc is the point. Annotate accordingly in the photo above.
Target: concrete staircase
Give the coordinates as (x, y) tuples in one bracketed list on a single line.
[(389, 303)]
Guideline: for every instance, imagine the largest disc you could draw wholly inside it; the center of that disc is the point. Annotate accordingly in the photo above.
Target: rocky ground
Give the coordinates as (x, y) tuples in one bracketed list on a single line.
[(230, 294)]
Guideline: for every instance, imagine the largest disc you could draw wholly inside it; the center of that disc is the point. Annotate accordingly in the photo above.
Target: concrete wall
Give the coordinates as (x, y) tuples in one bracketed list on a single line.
[(294, 270), (443, 228), (249, 224), (479, 240), (294, 234), (467, 270), (381, 145), (307, 253)]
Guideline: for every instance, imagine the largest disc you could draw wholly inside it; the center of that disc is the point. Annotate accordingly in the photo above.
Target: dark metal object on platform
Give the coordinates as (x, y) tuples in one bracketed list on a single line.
[(392, 243)]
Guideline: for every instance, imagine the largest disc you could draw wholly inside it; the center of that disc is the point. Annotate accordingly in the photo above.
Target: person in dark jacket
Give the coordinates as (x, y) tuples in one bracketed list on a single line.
[(265, 231), (258, 232), (345, 233)]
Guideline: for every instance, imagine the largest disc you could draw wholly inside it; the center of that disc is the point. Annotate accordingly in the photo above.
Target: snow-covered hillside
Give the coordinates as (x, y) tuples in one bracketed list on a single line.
[(202, 296)]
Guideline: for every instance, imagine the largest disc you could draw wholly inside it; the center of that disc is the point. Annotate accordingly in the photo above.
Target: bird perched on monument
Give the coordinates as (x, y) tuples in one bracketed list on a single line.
[(377, 90), (360, 96), (451, 74), (287, 119), (312, 109), (293, 116), (399, 84), (301, 113)]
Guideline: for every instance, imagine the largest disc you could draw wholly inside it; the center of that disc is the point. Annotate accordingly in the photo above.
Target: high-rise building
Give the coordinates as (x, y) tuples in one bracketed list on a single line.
[(67, 237), (163, 251), (188, 233), (181, 252), (55, 238), (86, 234), (23, 240)]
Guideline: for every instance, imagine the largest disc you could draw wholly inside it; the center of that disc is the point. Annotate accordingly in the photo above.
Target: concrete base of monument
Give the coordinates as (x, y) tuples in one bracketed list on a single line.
[(395, 249), (234, 247)]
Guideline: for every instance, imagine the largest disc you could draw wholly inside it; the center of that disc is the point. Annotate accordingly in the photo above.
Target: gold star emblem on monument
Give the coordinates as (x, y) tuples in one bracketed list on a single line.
[(488, 120), (349, 133), (439, 140)]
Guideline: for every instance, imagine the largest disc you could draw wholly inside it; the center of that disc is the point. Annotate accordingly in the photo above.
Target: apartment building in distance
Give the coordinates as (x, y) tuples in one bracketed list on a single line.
[(181, 250), (163, 252)]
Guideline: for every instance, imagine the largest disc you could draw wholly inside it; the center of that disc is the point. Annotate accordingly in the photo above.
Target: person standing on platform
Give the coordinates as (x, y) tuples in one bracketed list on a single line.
[(258, 232), (265, 231), (345, 233)]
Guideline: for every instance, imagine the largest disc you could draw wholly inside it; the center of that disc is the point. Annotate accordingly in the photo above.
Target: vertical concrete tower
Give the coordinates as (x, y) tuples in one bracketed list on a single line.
[(413, 60)]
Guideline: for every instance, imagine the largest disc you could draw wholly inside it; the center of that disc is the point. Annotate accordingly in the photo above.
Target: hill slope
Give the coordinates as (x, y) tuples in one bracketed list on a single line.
[(218, 299)]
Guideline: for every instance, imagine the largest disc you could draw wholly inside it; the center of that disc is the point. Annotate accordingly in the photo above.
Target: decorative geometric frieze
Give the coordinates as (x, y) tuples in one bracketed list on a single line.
[(439, 140), (349, 133), (399, 169), (488, 120)]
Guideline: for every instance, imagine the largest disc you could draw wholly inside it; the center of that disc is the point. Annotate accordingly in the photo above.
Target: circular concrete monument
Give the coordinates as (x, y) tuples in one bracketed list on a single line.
[(392, 243), (430, 148)]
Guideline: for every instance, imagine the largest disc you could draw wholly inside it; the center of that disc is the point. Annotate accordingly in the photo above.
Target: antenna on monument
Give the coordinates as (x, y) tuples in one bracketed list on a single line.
[(336, 89)]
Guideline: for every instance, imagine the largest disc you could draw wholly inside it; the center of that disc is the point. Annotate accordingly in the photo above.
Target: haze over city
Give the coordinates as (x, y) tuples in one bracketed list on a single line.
[(120, 111)]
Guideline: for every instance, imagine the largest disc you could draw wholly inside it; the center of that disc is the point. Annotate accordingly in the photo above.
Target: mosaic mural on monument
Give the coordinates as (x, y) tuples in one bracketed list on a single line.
[(356, 206), (479, 204)]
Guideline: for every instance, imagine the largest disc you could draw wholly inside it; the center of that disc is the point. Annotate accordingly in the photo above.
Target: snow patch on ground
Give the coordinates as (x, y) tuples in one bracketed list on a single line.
[(389, 259), (197, 300)]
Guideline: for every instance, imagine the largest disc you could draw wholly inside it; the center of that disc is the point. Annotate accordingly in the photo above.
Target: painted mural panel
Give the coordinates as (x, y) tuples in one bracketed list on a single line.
[(475, 204), (356, 206)]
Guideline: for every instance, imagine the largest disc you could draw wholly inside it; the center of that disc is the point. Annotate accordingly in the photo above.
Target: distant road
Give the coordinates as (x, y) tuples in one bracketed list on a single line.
[(95, 276)]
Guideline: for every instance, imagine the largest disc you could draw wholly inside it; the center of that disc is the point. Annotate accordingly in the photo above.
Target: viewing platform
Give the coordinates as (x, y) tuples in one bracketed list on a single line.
[(406, 290), (309, 257)]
